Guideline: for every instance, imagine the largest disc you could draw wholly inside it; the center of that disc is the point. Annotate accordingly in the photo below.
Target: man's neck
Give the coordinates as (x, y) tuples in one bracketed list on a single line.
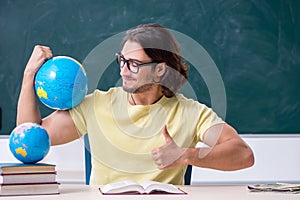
[(147, 97)]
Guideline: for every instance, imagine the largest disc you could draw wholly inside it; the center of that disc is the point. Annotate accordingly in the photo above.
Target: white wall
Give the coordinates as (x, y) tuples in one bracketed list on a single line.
[(277, 158)]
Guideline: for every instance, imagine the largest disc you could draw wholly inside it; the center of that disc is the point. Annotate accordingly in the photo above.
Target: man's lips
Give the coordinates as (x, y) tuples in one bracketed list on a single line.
[(128, 78)]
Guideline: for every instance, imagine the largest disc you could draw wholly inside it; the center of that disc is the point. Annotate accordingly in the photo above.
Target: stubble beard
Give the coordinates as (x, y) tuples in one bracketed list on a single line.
[(139, 89)]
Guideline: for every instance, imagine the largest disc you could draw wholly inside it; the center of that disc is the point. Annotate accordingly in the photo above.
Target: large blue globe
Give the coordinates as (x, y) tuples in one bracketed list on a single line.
[(61, 83), (29, 142)]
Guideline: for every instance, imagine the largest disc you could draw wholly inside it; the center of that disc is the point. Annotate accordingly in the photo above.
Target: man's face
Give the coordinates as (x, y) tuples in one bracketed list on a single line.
[(144, 79)]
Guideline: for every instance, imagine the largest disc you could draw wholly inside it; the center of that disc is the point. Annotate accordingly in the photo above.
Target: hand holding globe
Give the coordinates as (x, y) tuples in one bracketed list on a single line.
[(61, 83)]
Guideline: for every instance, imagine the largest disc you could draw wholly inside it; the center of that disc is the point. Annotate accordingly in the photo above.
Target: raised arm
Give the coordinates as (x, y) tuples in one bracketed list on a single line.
[(28, 110), (59, 124)]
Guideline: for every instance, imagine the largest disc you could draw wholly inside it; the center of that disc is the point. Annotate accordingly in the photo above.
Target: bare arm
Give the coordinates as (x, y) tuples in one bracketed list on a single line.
[(60, 127), (28, 110), (59, 124), (226, 151)]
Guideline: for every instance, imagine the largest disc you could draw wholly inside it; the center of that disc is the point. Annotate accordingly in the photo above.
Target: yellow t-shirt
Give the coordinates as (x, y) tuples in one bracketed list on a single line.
[(122, 136)]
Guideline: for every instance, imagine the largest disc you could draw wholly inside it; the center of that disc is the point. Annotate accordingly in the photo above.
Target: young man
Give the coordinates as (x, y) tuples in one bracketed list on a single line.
[(144, 130)]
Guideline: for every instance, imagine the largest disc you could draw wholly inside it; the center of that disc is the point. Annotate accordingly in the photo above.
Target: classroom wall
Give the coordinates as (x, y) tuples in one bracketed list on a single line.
[(276, 160), (253, 46)]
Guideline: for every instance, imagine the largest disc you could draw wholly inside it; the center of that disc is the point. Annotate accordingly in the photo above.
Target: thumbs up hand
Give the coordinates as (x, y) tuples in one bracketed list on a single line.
[(169, 155)]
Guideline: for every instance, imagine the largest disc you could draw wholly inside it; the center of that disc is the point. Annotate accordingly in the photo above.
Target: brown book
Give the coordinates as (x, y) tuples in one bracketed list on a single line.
[(146, 187), (15, 168)]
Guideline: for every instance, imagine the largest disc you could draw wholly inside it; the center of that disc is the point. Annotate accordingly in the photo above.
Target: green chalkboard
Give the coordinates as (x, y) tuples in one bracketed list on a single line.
[(254, 44)]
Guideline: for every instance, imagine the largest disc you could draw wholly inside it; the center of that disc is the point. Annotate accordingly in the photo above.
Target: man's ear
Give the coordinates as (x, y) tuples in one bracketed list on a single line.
[(160, 69)]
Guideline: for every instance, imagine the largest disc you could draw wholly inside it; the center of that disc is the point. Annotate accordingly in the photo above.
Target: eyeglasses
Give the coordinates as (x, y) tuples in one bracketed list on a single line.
[(132, 65)]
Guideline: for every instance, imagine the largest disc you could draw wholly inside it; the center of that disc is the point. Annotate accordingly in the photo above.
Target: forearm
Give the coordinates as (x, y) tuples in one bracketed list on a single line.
[(227, 156), (28, 110)]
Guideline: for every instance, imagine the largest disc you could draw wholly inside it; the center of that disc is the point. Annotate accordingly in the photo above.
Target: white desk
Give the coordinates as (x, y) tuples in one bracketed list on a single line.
[(83, 192)]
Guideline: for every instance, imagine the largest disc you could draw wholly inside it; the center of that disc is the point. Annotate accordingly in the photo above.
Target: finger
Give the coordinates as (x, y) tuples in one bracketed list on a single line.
[(44, 50), (49, 55), (166, 134), (154, 156), (47, 52), (160, 166), (154, 151)]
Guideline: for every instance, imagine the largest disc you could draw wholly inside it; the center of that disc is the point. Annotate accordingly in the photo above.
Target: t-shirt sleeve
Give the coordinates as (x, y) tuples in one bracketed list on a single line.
[(79, 113), (207, 118)]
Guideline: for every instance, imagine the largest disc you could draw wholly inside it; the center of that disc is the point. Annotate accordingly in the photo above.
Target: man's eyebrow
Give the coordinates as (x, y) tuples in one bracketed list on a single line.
[(131, 59), (134, 60)]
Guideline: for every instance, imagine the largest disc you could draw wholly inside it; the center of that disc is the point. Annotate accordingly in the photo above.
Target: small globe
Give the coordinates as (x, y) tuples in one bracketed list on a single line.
[(29, 142), (61, 83)]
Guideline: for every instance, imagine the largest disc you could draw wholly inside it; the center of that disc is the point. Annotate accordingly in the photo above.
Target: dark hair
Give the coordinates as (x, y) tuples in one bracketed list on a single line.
[(161, 46)]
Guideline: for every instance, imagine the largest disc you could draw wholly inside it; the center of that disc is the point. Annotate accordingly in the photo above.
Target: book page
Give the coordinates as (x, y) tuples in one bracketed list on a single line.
[(151, 186), (120, 187)]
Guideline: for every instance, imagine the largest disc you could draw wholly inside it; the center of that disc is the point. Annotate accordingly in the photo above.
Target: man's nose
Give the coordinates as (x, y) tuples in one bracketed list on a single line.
[(125, 70)]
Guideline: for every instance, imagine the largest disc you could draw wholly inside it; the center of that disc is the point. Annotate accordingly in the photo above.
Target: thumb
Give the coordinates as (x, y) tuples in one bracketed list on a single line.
[(166, 134)]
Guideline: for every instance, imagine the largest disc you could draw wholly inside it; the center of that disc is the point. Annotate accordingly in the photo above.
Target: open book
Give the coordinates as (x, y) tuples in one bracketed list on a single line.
[(146, 187)]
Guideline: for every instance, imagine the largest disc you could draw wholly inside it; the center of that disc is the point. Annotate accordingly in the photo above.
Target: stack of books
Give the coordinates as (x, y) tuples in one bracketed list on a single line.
[(28, 179)]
